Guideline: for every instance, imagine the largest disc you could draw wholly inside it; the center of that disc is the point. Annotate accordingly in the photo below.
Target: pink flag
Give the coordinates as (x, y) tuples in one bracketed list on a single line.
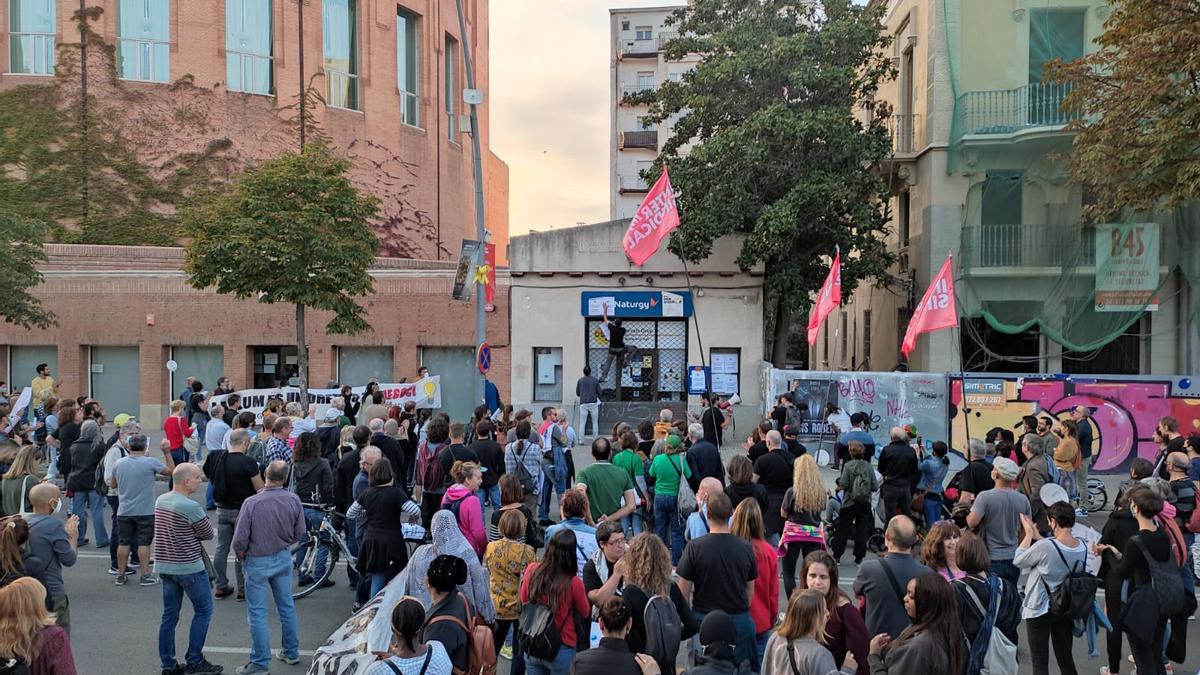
[(654, 220), (937, 309), (830, 297)]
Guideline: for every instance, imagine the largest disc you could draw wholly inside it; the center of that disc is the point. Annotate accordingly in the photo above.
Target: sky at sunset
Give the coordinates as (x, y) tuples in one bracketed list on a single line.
[(549, 107)]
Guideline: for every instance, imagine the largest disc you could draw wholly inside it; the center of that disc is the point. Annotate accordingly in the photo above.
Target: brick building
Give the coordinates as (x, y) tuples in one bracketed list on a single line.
[(123, 312), (182, 82)]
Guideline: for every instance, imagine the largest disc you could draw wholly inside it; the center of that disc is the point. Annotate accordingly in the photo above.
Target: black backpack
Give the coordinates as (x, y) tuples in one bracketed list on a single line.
[(522, 472), (1164, 581), (536, 633), (13, 666), (1076, 595)]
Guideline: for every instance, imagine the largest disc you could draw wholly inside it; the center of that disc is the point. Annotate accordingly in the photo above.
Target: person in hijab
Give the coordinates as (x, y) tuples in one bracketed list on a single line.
[(447, 539)]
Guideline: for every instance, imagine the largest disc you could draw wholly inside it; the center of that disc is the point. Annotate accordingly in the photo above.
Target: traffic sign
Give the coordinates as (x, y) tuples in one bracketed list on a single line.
[(483, 358)]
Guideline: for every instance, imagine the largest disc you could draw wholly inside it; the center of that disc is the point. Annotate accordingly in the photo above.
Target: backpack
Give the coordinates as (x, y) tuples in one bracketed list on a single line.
[(992, 653), (686, 501), (454, 506), (536, 633), (101, 484), (860, 488), (480, 641), (432, 476), (793, 418), (523, 475), (13, 666), (1076, 595), (664, 629), (258, 452), (1165, 582)]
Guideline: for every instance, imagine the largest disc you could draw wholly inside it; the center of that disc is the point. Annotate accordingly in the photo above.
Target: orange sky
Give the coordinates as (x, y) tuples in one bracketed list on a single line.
[(549, 107)]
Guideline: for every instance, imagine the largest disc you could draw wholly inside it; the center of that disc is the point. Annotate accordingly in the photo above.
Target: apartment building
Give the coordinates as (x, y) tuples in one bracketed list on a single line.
[(978, 170), (637, 64)]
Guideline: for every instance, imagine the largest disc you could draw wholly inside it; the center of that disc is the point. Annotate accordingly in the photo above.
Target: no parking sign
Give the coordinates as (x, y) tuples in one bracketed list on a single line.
[(483, 358)]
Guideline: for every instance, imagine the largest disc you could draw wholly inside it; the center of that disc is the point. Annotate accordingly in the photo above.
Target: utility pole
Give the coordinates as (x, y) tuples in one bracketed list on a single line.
[(303, 91), (480, 232)]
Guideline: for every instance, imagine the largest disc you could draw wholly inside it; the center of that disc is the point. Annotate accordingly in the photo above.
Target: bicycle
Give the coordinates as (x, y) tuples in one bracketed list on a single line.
[(327, 538), (1097, 495)]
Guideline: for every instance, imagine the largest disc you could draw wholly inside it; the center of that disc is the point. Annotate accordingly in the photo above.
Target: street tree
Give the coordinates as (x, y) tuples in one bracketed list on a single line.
[(22, 242), (292, 230), (1137, 103), (776, 136)]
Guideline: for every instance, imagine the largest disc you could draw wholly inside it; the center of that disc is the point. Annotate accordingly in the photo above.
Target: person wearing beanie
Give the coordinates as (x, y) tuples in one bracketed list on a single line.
[(717, 636)]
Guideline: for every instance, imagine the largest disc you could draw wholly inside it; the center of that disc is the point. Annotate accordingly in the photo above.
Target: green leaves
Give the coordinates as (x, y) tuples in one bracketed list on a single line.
[(783, 144), (292, 229), (21, 248)]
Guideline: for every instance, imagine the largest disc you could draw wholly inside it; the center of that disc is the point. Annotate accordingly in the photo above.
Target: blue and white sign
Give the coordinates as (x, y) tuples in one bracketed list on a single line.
[(636, 304)]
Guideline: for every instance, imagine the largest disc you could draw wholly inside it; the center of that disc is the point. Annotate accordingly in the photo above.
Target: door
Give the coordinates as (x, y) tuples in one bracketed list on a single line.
[(456, 366), (23, 361), (1053, 34), (360, 365), (275, 367), (1000, 220), (115, 379), (206, 364)]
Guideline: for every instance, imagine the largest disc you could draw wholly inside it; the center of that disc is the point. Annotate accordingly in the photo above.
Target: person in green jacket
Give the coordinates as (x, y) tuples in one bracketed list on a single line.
[(856, 519)]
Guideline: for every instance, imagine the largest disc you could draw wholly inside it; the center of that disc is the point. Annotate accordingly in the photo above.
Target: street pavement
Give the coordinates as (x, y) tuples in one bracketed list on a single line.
[(115, 630)]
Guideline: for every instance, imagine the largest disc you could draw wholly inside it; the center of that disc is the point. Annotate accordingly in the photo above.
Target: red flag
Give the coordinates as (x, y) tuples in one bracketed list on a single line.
[(937, 309), (829, 298), (654, 220), (489, 259)]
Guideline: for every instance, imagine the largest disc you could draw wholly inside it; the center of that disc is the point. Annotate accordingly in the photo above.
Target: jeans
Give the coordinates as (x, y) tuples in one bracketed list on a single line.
[(378, 581), (199, 593), (178, 456), (1005, 569), (587, 410), (80, 503), (561, 664), (313, 518), (51, 462), (208, 497), (632, 523), (114, 503), (548, 486), (489, 496), (760, 644), (352, 544), (668, 524), (226, 522), (1043, 630), (932, 510), (274, 573), (855, 520)]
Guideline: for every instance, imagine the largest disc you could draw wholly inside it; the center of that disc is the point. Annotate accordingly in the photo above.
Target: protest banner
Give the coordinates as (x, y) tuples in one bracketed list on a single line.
[(426, 393)]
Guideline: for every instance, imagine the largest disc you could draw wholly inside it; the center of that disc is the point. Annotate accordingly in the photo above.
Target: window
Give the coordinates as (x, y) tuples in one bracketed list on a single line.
[(340, 35), (248, 46), (866, 337), (359, 365), (408, 49), (31, 33), (547, 374), (675, 77), (451, 88), (624, 25), (644, 123), (903, 314), (844, 338), (644, 33), (645, 81), (726, 368), (144, 41)]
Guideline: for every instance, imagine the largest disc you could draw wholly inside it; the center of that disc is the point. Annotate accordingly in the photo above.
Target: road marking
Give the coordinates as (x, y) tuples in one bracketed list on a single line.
[(307, 653)]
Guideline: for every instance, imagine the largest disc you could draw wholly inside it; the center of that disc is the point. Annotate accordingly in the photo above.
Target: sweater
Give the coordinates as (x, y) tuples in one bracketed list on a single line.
[(49, 544), (810, 656), (916, 655), (1066, 455), (470, 516), (55, 657)]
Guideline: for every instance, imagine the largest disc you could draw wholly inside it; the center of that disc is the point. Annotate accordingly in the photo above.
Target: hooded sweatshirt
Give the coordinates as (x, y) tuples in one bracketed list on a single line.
[(314, 481), (470, 516)]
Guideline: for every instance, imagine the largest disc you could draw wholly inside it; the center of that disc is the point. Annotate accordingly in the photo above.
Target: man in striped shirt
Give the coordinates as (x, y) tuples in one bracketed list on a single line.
[(179, 526)]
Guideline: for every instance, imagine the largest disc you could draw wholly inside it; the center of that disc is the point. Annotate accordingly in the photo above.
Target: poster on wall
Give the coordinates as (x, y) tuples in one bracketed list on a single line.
[(1126, 267)]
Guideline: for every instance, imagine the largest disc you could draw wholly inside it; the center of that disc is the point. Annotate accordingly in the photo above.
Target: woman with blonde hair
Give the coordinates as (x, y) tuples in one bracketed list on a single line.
[(802, 505), (797, 647), (24, 473), (647, 574), (28, 633), (764, 604)]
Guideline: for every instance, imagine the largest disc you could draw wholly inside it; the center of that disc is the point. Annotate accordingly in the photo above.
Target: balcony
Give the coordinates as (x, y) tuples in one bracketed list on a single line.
[(906, 133), (647, 140), (1028, 245), (633, 89), (639, 49), (1009, 111), (631, 184), (665, 37)]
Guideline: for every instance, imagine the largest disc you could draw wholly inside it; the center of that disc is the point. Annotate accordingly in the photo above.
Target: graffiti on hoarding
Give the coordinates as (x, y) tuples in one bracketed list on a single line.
[(1124, 411)]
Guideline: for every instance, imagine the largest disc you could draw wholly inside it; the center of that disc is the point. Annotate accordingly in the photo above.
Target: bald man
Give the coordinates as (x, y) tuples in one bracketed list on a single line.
[(697, 522), (180, 525), (883, 587), (52, 546)]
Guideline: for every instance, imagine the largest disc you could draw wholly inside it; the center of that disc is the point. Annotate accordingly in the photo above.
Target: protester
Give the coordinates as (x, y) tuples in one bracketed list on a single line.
[(20, 478), (554, 443), (856, 519), (461, 500), (756, 444), (845, 633), (882, 581), (28, 631), (712, 419), (899, 467), (587, 388), (612, 656), (553, 583), (450, 613), (180, 527), (1118, 530), (85, 455), (235, 478), (974, 593), (447, 539), (933, 644), (270, 522), (278, 447), (14, 549), (410, 654), (1067, 457), (53, 545), (668, 469), (796, 647), (133, 479), (696, 524), (312, 480), (717, 637), (573, 510), (931, 484), (388, 444), (802, 506), (610, 490), (741, 483), (718, 571), (491, 461), (506, 560), (1049, 561), (774, 472), (512, 498), (634, 466), (604, 573), (648, 575), (995, 514), (383, 552), (703, 456), (177, 428), (977, 476), (523, 460), (939, 549), (764, 603), (431, 479)]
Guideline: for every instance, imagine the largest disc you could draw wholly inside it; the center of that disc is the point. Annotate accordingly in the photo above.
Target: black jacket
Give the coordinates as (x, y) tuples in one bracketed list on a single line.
[(705, 461), (708, 665), (330, 437), (343, 480), (898, 465), (314, 481), (86, 454), (612, 657), (390, 448)]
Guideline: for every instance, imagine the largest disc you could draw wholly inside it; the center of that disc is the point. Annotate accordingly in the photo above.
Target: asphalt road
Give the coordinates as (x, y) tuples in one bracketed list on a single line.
[(115, 630)]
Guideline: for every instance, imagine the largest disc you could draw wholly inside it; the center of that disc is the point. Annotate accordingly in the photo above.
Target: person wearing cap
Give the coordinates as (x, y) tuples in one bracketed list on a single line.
[(717, 637), (127, 427), (996, 516), (1053, 493), (330, 433), (1034, 474)]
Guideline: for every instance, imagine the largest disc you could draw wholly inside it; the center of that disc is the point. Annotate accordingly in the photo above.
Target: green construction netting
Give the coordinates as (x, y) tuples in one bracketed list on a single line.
[(1029, 257)]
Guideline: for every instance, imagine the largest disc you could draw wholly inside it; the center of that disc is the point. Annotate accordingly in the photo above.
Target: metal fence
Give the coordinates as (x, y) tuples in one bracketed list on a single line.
[(1005, 111)]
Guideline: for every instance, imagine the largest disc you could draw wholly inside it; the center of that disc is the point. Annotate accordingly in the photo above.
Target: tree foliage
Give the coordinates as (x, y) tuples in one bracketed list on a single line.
[(293, 229), (775, 136), (21, 242), (1138, 97)]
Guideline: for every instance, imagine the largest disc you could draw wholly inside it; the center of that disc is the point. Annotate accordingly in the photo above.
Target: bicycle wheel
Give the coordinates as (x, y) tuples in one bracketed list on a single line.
[(307, 569), (1097, 497)]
